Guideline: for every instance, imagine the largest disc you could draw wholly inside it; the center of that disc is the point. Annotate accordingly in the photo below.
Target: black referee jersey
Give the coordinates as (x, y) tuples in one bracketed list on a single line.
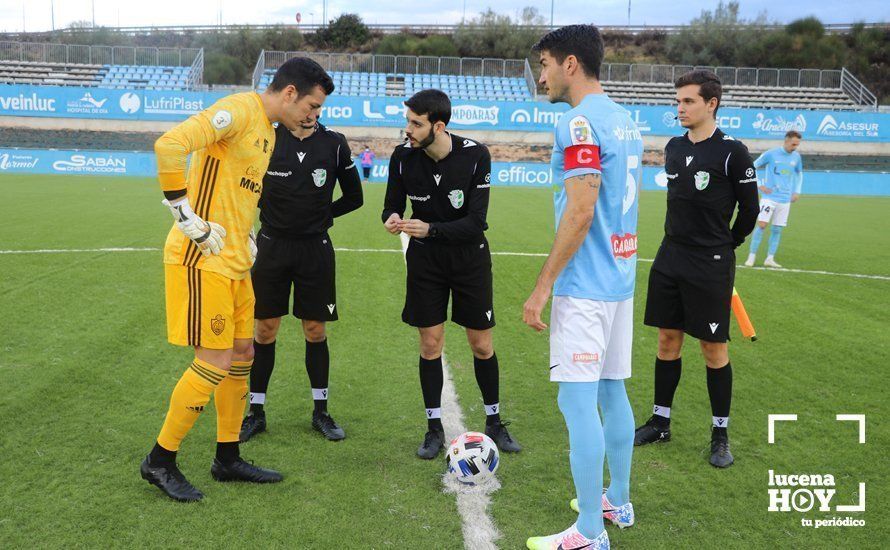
[(705, 182), (451, 195), (298, 188)]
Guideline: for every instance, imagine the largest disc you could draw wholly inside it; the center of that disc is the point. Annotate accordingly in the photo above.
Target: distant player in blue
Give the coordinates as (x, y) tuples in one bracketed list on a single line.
[(781, 172), (591, 270)]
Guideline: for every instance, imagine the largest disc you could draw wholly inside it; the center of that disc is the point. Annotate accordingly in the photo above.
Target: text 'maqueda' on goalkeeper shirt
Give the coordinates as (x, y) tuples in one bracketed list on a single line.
[(230, 144)]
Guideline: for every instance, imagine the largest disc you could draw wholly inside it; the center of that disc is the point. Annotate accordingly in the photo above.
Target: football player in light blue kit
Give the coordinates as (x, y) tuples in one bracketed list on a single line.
[(591, 270), (780, 187)]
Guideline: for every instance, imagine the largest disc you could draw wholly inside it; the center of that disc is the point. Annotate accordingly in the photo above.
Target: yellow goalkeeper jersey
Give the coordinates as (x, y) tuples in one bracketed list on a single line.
[(230, 144)]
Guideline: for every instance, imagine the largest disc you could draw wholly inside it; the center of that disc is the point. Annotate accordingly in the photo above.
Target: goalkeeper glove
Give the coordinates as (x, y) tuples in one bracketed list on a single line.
[(208, 236), (251, 246)]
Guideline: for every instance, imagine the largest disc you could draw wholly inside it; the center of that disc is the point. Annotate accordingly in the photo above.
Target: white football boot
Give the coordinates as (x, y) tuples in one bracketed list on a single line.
[(570, 539)]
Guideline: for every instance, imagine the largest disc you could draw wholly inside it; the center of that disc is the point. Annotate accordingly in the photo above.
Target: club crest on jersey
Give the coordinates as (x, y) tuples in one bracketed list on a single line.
[(702, 179), (581, 132), (218, 324), (319, 176), (457, 198)]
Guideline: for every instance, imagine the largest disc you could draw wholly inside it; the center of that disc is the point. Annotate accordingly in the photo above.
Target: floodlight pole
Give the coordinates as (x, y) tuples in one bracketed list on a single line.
[(52, 14), (551, 14)]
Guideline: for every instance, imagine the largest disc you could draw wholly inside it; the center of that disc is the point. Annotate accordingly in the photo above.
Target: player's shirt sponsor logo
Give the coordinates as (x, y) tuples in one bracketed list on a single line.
[(252, 186), (419, 199), (279, 174), (624, 246)]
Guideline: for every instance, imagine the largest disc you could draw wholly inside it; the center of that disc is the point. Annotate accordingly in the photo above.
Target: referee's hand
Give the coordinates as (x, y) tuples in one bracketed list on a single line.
[(392, 224), (415, 228), (534, 306)]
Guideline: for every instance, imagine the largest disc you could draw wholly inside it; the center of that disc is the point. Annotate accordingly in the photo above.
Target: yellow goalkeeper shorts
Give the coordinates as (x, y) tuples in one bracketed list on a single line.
[(207, 309)]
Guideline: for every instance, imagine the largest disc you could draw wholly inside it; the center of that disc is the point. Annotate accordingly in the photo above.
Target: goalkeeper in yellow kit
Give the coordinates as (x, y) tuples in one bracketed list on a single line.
[(208, 255)]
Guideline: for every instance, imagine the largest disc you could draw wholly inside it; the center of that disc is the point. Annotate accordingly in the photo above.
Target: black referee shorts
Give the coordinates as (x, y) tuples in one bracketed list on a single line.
[(306, 264), (691, 290), (437, 271)]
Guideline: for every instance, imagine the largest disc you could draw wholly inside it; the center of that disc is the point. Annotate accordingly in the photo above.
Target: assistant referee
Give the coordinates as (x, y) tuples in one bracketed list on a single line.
[(447, 179), (709, 174), (295, 250)]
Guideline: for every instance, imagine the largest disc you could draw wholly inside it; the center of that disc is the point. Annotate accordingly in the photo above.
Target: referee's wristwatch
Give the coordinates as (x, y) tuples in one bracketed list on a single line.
[(433, 231)]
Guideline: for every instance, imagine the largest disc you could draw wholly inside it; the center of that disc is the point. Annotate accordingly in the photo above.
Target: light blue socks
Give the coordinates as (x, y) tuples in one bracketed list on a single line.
[(756, 237), (618, 432), (775, 236), (578, 403)]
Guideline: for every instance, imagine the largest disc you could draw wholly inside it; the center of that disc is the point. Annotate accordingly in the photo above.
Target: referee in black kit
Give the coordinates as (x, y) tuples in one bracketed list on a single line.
[(447, 180), (294, 249), (690, 284)]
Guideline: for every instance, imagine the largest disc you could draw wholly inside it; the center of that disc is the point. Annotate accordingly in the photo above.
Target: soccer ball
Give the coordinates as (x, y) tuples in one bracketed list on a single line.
[(472, 458)]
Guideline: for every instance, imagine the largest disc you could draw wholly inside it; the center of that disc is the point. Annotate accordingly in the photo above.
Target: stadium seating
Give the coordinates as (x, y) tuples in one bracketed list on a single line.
[(662, 93), (516, 89), (105, 76), (400, 85)]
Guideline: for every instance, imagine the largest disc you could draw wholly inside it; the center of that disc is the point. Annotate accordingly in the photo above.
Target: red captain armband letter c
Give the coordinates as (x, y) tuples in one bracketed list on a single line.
[(582, 156)]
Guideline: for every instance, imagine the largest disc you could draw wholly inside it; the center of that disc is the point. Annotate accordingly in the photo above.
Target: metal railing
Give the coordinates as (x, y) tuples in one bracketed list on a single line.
[(856, 90), (196, 71), (99, 55), (829, 79), (729, 76), (401, 64), (389, 28)]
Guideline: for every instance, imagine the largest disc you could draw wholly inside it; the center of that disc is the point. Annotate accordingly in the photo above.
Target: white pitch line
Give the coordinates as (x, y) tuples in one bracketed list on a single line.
[(515, 254), (477, 525)]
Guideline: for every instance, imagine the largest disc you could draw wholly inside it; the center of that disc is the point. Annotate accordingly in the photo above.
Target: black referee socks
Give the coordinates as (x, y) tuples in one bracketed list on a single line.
[(260, 373), (431, 381), (720, 392), (488, 379), (318, 367), (667, 377)]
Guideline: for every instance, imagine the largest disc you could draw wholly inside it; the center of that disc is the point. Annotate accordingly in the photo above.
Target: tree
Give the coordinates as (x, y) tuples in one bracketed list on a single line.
[(345, 32), (495, 35)]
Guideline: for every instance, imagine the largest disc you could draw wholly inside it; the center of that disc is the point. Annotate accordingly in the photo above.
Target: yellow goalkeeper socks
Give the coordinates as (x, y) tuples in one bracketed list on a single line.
[(231, 400), (190, 396)]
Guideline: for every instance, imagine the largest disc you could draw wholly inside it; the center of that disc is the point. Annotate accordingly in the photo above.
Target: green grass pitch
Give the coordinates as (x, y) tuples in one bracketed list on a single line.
[(87, 372)]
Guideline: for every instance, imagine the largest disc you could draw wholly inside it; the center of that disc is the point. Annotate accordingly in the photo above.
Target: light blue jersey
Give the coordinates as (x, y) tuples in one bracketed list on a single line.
[(782, 172), (599, 137)]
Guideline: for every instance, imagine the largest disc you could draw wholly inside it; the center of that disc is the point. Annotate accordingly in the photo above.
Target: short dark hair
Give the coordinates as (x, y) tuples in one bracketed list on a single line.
[(793, 134), (709, 85), (304, 74), (433, 103), (583, 41)]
